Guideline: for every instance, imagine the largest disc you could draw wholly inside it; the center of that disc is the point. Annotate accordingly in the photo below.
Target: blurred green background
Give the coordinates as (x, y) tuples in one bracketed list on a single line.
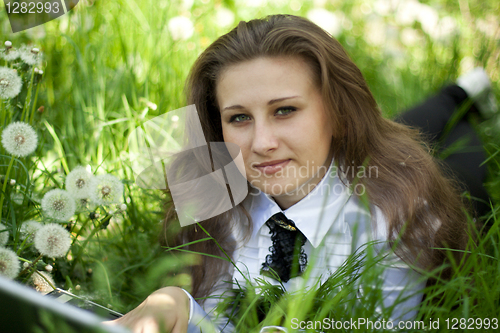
[(110, 65)]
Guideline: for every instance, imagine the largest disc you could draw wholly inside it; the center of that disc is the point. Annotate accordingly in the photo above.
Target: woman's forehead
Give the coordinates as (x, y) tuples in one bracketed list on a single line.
[(264, 76)]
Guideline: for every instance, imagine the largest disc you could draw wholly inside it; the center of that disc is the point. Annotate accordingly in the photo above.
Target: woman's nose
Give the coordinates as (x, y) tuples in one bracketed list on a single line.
[(265, 138)]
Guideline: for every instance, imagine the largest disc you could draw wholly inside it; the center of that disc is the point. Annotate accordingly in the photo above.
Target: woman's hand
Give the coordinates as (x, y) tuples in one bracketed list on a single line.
[(165, 310)]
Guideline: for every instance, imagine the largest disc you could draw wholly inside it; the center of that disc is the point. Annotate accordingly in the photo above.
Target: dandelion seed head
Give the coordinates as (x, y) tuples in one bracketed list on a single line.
[(4, 235), (10, 83), (187, 4), (78, 182), (10, 54), (19, 139), (52, 240), (39, 280), (84, 204), (106, 189), (9, 263), (28, 56), (58, 204), (224, 17), (29, 229), (8, 44), (327, 20), (180, 27)]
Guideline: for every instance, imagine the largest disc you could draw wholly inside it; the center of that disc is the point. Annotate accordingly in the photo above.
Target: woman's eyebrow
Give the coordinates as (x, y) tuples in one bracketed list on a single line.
[(271, 102), (280, 99)]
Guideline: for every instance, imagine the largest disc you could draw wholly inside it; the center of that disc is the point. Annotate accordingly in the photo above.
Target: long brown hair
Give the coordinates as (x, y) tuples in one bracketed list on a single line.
[(410, 189)]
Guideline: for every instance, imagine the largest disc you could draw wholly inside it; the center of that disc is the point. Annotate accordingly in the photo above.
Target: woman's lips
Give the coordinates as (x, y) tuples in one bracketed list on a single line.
[(273, 168)]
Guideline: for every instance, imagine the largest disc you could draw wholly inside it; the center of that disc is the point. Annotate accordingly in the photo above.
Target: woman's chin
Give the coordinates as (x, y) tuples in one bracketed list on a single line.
[(276, 189)]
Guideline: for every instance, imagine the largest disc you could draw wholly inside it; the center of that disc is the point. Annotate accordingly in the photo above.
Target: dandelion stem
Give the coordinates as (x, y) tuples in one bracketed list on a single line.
[(84, 225), (2, 112), (31, 265), (34, 105), (108, 285), (28, 97), (5, 184), (47, 280), (84, 245)]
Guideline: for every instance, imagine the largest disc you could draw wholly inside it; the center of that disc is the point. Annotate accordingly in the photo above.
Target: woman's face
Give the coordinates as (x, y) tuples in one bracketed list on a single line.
[(272, 109)]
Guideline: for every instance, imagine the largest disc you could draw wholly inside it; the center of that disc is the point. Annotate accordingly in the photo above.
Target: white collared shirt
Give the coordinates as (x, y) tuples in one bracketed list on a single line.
[(336, 224)]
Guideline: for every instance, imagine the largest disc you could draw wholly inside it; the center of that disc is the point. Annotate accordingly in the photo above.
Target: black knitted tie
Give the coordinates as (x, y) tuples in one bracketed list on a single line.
[(286, 239)]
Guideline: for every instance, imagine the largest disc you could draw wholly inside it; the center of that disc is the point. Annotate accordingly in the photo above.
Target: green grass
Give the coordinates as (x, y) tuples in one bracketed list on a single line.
[(106, 62)]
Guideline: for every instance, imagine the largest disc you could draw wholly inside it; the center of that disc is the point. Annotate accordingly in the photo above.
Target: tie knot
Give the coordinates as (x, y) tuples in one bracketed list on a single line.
[(282, 221)]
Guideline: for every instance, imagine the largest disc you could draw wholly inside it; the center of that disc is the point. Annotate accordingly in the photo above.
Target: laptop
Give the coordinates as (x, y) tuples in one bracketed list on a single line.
[(23, 310)]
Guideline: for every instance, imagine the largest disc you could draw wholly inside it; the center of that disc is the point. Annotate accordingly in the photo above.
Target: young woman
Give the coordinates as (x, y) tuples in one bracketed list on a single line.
[(288, 95)]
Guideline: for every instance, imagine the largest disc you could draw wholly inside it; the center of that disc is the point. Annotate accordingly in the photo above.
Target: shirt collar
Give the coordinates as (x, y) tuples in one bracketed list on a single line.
[(314, 215)]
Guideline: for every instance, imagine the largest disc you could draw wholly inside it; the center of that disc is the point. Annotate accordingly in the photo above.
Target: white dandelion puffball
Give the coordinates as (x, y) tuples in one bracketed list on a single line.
[(29, 229), (9, 263), (10, 54), (52, 240), (187, 4), (224, 17), (84, 204), (78, 182), (10, 83), (106, 189), (180, 27), (29, 55), (58, 204), (19, 139), (40, 281), (445, 29), (4, 235), (326, 20)]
